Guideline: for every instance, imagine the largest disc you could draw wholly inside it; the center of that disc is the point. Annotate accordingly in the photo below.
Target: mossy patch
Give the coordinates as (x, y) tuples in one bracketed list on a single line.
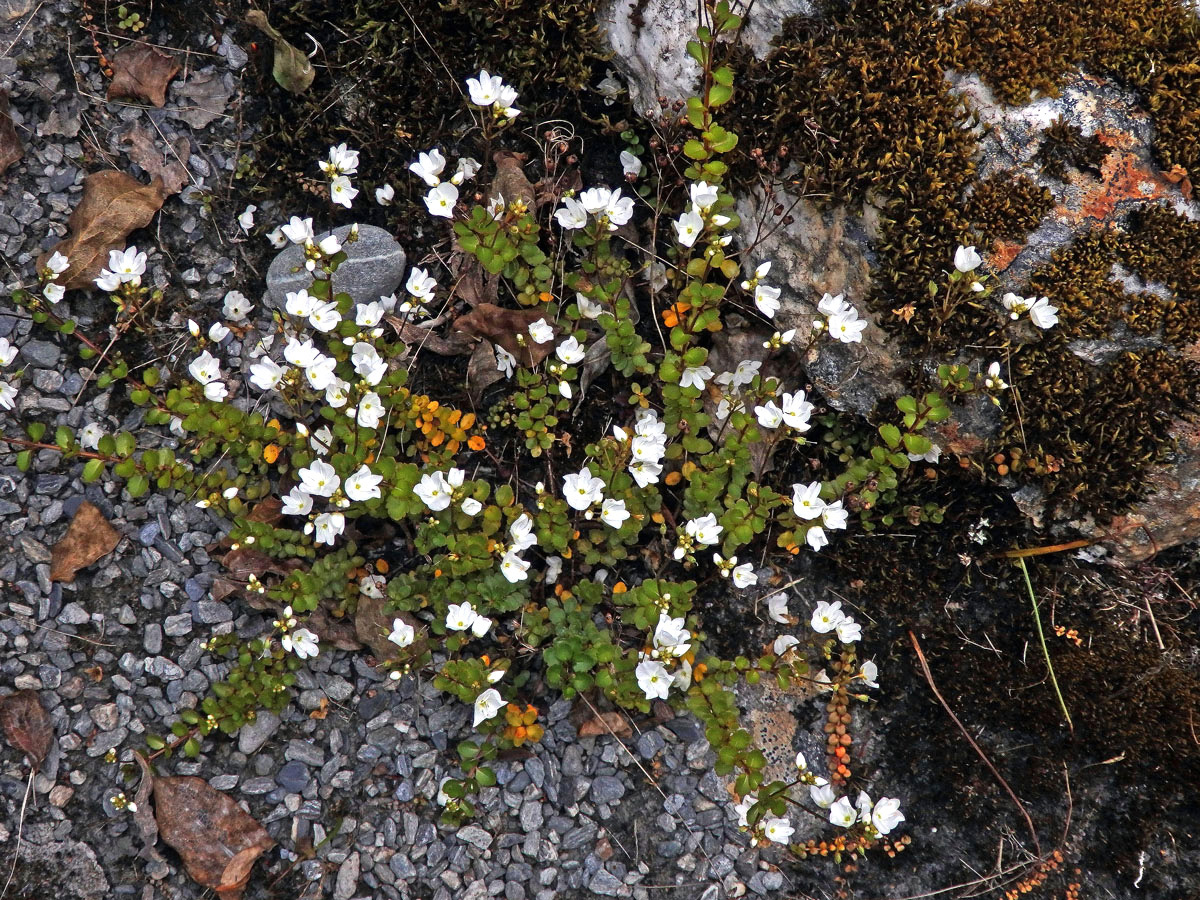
[(858, 100)]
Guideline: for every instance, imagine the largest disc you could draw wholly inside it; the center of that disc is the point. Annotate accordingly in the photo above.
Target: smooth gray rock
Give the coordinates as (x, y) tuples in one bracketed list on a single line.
[(374, 267), (256, 733)]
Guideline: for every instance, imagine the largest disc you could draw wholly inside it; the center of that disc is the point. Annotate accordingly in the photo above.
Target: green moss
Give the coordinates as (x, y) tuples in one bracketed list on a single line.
[(1006, 208), (1063, 145)]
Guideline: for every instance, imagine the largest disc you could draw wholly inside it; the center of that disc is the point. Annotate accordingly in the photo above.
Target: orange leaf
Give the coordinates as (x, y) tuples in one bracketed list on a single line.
[(88, 537)]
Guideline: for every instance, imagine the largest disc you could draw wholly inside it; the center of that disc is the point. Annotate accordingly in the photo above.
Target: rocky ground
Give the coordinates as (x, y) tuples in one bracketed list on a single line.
[(345, 780)]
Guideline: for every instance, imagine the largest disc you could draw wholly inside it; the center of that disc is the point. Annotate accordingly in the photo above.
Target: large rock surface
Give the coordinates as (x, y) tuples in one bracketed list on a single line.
[(374, 266)]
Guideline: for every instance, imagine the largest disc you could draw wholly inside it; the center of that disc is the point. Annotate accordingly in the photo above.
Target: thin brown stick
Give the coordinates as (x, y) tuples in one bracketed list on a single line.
[(946, 706)]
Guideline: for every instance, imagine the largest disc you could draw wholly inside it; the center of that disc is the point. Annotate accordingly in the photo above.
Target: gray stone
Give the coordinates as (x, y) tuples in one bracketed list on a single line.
[(607, 789), (475, 836), (105, 716), (73, 614), (41, 353), (161, 667), (374, 267), (293, 776), (177, 626), (254, 734), (347, 878), (605, 883), (152, 639), (210, 612)]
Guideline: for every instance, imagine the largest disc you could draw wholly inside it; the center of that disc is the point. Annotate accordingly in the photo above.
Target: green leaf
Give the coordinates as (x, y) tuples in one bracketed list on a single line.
[(23, 460), (191, 748), (693, 149), (63, 437), (36, 430), (154, 742), (93, 469), (697, 51), (907, 404), (125, 444), (719, 94), (890, 435), (137, 485), (917, 445), (486, 777)]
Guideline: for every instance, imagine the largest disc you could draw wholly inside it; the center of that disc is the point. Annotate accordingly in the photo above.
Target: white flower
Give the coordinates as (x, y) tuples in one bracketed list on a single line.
[(466, 170), (215, 391), (368, 315), (108, 281), (370, 410), (783, 644), (459, 616), (487, 706), (53, 292), (695, 377), (266, 374), (299, 303), (830, 305), (319, 479), (868, 674), (471, 506), (743, 576), (704, 530), (778, 830), (569, 351), (384, 194), (297, 502), (842, 813), (330, 244), (505, 361), (128, 264), (277, 238), (653, 679), (650, 449), (827, 616), (595, 200), (235, 306), (816, 538), (796, 411), (298, 230), (610, 88), (769, 415), (993, 381), (847, 327), (582, 489), (246, 218), (90, 434), (743, 808), (540, 331), (688, 227), (342, 161), (481, 626), (630, 164), (320, 374), (57, 263), (441, 199), (849, 631), (402, 634), (1015, 304), (833, 516), (301, 353), (618, 211), (324, 317), (365, 358), (321, 440), (806, 500), (485, 90), (8, 351), (822, 794), (613, 513), (1043, 314), (363, 484), (766, 298), (342, 192), (429, 167), (704, 195), (760, 272), (205, 368), (572, 215), (328, 526), (434, 491), (966, 259), (302, 642), (564, 389), (671, 636), (513, 568), (777, 608), (521, 535), (645, 473), (217, 332), (886, 815)]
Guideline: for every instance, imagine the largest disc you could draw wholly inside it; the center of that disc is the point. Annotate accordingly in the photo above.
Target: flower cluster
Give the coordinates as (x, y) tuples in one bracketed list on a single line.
[(300, 641), (646, 448), (124, 267), (766, 297), (8, 390), (610, 209), (55, 266), (1041, 312), (443, 195), (702, 219), (341, 164), (490, 92), (671, 645), (841, 319)]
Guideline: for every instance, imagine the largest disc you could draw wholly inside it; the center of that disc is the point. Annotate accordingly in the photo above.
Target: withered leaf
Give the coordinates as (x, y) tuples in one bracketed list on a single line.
[(88, 537), (27, 725), (337, 630), (217, 841), (143, 817), (113, 204), (291, 69), (606, 723), (469, 282), (172, 168), (373, 624), (142, 72), (419, 338), (510, 181), (205, 97), (507, 327), (238, 565), (481, 371), (10, 144)]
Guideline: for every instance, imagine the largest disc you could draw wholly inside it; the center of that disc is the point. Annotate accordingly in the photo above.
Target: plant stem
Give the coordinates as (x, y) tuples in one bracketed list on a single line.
[(1037, 621)]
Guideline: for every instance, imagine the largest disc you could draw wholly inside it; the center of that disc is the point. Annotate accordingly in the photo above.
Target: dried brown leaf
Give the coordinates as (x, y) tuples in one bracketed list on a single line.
[(481, 371), (172, 168), (373, 624), (507, 327), (142, 72), (143, 817), (337, 630), (113, 204), (606, 723), (510, 181), (217, 841), (237, 567), (10, 144), (419, 338), (27, 725), (88, 537), (470, 283), (205, 97)]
